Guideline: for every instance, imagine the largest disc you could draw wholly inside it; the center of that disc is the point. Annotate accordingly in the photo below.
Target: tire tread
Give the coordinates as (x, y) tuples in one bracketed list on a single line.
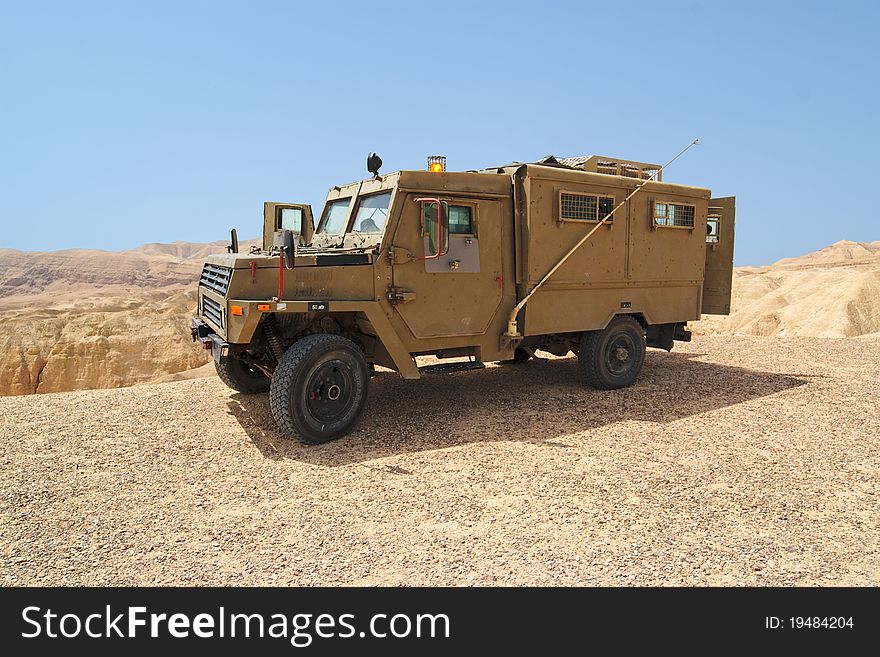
[(226, 373), (588, 352), (283, 380)]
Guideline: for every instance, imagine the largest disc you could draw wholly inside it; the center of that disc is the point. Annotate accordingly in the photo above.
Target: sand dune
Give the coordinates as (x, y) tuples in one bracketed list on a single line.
[(831, 293), (843, 252)]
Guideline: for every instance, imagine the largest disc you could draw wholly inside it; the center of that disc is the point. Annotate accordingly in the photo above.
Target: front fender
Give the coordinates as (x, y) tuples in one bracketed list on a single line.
[(241, 328)]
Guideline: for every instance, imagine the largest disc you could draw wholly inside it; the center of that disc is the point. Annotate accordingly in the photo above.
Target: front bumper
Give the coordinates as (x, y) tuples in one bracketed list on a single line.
[(212, 342)]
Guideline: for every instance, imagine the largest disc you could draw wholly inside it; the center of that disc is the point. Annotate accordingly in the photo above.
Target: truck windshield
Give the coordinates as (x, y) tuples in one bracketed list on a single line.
[(333, 219), (371, 213)]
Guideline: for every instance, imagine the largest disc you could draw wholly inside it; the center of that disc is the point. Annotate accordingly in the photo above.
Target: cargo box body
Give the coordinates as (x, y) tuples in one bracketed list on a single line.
[(631, 264)]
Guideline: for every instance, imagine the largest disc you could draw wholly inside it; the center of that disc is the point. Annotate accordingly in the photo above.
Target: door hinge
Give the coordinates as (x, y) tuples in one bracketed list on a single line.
[(397, 295), (397, 255)]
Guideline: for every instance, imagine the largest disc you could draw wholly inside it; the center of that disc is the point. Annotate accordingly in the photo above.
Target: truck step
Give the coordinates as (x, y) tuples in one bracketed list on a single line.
[(448, 368)]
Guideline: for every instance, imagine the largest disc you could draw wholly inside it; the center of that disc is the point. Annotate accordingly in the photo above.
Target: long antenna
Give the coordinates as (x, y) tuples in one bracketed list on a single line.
[(511, 322)]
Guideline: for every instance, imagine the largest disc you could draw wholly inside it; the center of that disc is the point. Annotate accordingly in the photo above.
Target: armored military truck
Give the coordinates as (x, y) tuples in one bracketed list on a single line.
[(592, 255)]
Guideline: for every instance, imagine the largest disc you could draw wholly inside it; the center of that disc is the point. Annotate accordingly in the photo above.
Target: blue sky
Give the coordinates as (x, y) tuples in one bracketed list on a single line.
[(130, 122)]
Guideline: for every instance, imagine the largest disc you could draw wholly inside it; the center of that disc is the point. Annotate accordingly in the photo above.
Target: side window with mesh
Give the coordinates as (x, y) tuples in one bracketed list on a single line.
[(674, 215), (575, 206)]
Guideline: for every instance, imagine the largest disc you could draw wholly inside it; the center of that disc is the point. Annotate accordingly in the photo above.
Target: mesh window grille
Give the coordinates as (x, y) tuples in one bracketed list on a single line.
[(585, 207), (674, 214)]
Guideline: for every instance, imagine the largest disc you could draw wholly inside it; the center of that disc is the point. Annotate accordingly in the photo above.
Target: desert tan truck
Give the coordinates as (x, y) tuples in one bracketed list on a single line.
[(592, 255)]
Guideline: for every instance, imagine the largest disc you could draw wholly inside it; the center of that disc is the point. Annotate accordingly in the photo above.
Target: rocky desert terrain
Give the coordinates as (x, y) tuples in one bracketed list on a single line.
[(82, 319), (746, 457), (732, 461)]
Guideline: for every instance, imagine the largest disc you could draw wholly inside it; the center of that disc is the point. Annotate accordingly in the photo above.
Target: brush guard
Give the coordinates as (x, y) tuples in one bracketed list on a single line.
[(212, 342)]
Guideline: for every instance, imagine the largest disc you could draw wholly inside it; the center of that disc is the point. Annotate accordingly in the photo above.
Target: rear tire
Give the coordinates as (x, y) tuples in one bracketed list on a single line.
[(240, 377), (319, 388), (612, 358)]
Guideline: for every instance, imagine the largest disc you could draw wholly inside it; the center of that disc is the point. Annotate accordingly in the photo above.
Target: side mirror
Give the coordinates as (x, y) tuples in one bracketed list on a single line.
[(374, 163), (233, 242), (289, 249)]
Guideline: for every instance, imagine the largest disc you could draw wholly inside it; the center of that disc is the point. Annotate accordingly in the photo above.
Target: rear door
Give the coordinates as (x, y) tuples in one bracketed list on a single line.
[(719, 256)]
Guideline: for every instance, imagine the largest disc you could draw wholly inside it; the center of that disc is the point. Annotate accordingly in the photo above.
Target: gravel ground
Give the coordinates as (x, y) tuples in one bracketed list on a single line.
[(731, 461)]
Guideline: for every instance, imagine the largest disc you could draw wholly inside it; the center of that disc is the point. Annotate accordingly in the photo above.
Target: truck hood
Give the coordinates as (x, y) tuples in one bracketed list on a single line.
[(316, 258)]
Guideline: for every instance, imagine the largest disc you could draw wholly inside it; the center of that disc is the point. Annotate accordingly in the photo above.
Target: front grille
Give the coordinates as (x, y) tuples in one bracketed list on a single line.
[(216, 277), (212, 310)]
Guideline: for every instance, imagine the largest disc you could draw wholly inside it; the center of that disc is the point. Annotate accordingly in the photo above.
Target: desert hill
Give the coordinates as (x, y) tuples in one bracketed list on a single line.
[(844, 252), (189, 250), (79, 319), (149, 266), (830, 293)]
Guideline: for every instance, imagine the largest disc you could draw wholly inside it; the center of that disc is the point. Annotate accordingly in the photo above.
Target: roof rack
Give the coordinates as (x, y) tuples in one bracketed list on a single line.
[(608, 165)]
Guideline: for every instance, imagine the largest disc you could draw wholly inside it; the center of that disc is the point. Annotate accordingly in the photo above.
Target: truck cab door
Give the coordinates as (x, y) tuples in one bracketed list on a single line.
[(718, 278), (287, 216), (458, 292)]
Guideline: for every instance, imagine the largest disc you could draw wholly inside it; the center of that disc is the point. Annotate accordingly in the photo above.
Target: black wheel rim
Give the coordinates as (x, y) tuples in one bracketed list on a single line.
[(620, 354), (329, 392)]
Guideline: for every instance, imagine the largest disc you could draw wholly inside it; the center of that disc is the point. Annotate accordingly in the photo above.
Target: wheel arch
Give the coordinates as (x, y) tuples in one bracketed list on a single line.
[(381, 326), (639, 316)]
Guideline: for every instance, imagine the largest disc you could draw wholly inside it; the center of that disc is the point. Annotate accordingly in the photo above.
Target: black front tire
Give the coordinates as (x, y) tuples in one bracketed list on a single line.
[(612, 358), (319, 388), (241, 377)]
